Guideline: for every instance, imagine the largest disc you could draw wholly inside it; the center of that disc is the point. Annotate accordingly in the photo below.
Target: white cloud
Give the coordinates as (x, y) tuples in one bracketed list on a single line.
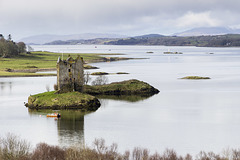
[(237, 26), (28, 17), (191, 19)]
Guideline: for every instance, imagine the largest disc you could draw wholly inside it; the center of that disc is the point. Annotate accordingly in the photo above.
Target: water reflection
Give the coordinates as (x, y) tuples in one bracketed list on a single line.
[(70, 126), (4, 85), (128, 98)]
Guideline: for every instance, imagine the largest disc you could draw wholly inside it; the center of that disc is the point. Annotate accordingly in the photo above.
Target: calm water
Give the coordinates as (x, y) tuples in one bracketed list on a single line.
[(187, 115)]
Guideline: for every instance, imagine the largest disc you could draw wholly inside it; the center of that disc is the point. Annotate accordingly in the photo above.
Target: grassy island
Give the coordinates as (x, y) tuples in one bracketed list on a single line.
[(129, 87), (70, 100), (105, 73), (195, 77), (99, 73), (85, 101)]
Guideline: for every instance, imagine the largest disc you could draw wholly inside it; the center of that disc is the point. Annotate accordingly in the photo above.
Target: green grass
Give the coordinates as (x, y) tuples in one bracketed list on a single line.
[(23, 74), (122, 73), (70, 100), (195, 77), (129, 87), (49, 98), (99, 73), (37, 60)]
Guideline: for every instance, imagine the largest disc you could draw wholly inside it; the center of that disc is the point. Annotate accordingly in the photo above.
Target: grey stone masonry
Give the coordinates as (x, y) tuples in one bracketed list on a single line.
[(70, 75)]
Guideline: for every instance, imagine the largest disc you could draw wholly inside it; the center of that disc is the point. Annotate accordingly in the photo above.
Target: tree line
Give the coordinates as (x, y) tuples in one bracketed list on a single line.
[(9, 48), (229, 40)]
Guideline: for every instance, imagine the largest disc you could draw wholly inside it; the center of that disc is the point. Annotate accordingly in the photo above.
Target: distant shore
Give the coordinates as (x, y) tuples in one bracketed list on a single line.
[(27, 65)]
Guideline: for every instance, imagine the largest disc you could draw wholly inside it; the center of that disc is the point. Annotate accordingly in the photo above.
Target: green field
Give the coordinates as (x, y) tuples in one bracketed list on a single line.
[(23, 64)]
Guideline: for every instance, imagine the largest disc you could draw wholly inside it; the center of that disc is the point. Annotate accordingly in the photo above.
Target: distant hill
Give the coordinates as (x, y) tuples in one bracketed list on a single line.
[(149, 36), (82, 41), (203, 31), (228, 40), (46, 38), (101, 40)]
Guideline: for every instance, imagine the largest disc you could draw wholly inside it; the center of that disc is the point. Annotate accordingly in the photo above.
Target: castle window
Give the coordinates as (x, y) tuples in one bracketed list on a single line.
[(69, 70)]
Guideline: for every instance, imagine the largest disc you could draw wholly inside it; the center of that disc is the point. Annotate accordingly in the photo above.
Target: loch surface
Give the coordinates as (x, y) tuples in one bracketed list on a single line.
[(187, 115)]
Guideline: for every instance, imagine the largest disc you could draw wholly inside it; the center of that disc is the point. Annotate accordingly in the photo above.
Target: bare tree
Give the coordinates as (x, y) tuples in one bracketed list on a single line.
[(100, 80), (87, 77)]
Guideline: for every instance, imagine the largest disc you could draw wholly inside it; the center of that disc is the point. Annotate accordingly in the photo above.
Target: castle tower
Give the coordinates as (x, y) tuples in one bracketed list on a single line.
[(70, 76)]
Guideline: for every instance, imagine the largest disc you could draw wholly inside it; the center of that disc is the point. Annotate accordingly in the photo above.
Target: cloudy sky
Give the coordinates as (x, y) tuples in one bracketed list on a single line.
[(24, 18)]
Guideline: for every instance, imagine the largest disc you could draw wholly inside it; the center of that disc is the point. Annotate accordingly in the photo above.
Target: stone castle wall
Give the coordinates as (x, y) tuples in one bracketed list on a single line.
[(70, 76)]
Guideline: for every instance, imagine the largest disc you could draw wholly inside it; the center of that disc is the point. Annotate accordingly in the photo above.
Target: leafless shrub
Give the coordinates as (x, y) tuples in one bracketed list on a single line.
[(140, 154), (236, 154), (208, 156), (201, 155), (87, 77), (12, 148), (126, 155), (188, 157), (145, 154), (79, 153), (169, 154), (100, 80), (112, 152), (104, 152), (155, 156), (44, 151), (226, 154), (137, 153)]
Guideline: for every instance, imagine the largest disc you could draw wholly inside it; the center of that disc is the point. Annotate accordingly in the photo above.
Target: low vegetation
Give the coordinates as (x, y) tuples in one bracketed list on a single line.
[(128, 87), (122, 73), (89, 67), (195, 77), (105, 73), (13, 148), (99, 73), (70, 100)]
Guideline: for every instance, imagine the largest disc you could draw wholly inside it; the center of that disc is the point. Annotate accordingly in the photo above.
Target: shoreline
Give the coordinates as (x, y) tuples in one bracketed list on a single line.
[(31, 72)]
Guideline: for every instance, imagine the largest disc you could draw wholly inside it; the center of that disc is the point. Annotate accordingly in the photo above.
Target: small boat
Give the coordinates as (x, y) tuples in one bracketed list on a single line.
[(56, 115)]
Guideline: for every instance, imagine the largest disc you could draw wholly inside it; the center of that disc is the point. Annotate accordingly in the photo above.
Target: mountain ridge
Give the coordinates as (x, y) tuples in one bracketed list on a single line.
[(47, 38), (101, 38), (207, 31)]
